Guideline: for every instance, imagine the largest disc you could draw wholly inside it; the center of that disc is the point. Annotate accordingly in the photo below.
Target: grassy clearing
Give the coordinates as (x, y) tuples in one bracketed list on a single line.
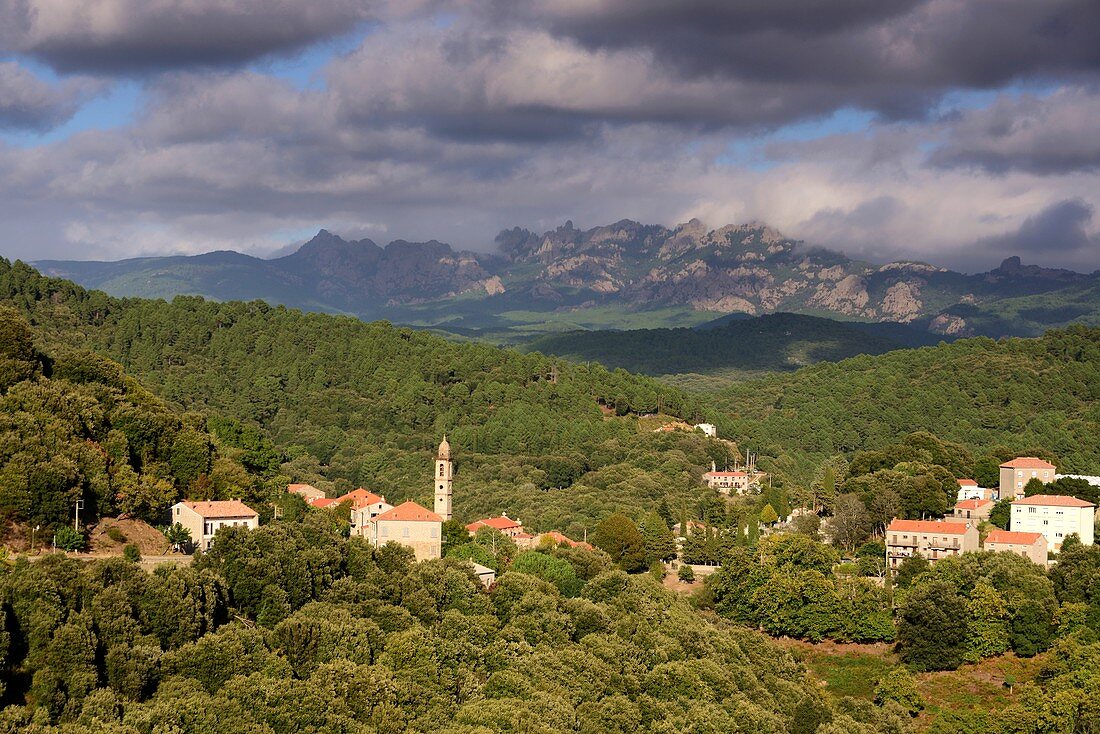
[(847, 669), (854, 670)]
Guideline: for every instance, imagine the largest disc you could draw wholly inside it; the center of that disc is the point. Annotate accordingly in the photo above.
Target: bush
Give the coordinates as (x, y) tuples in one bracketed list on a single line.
[(686, 574), (657, 571), (899, 686), (69, 539), (132, 553), (116, 535)]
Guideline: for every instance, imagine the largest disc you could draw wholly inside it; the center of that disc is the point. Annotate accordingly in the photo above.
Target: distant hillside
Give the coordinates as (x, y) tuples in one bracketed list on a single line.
[(625, 275), (74, 426), (352, 403), (1019, 394), (780, 342)]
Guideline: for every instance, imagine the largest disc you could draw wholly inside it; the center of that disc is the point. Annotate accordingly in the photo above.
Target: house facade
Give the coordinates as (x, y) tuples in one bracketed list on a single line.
[(969, 490), (727, 481), (365, 506), (1017, 473), (205, 519), (307, 492), (409, 525), (503, 525), (972, 511), (1056, 517), (932, 539), (1032, 546)]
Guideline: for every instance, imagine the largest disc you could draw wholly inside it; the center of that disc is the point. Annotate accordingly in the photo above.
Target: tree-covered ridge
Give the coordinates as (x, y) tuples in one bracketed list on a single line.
[(777, 342), (353, 403), (293, 628), (1014, 394), (74, 426)]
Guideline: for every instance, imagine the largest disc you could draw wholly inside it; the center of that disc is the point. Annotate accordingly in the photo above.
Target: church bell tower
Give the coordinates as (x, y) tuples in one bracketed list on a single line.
[(444, 480)]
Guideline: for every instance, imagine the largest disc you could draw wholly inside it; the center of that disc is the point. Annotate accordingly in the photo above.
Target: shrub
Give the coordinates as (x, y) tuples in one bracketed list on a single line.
[(657, 571), (116, 535), (686, 574), (132, 553), (69, 539)]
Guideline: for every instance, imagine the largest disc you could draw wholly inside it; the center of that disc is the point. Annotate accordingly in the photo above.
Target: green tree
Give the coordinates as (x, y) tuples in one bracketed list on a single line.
[(899, 686), (659, 543), (619, 537), (768, 515), (1001, 514), (932, 627), (987, 623), (686, 573)]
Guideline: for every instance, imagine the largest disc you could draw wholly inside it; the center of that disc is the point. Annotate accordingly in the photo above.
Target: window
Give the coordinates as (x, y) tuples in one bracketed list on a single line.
[(1046, 522), (405, 532), (441, 470), (435, 531), (1057, 535), (385, 531), (1032, 510), (177, 510), (208, 528)]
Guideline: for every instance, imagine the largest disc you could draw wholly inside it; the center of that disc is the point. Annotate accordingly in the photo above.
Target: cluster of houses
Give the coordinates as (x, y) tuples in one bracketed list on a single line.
[(1038, 524), (737, 480), (373, 518)]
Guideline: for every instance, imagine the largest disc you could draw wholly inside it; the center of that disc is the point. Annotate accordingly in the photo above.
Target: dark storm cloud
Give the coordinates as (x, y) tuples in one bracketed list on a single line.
[(1051, 135), (895, 57), (29, 103), (1058, 232), (126, 36)]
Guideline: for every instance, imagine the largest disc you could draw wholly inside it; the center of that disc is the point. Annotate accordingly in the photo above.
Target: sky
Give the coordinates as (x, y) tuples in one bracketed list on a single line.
[(957, 132)]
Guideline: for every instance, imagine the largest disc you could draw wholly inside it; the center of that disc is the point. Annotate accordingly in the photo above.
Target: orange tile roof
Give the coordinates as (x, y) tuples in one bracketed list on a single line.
[(1027, 462), (497, 523), (361, 498), (967, 483), (298, 487), (1012, 537), (222, 508), (322, 502), (928, 526), (725, 474), (1053, 500), (973, 504), (409, 512)]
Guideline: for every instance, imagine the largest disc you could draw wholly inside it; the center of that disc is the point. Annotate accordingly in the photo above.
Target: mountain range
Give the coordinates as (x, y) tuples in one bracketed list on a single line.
[(622, 275)]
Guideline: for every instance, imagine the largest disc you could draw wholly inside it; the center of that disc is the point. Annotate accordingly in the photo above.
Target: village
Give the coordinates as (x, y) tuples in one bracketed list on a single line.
[(1038, 526)]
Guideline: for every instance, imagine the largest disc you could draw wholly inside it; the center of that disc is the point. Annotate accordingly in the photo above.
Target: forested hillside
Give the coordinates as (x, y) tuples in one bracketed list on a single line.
[(294, 628), (1012, 395), (74, 426), (351, 403), (778, 342)]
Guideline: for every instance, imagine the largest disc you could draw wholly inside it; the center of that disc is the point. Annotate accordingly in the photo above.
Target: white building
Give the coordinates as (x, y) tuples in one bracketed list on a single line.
[(1094, 481), (708, 428), (969, 490), (1056, 517), (205, 519)]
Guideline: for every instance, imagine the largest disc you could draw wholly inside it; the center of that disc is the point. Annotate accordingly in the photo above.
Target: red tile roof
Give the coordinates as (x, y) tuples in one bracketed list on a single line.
[(1027, 462), (725, 474), (409, 512), (1053, 500), (361, 498), (222, 508), (497, 523), (1011, 537), (973, 504), (299, 487), (967, 483), (322, 502), (928, 526)]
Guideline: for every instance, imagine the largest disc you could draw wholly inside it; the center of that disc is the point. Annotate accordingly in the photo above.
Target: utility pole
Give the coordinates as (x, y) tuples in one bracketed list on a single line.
[(33, 531), (76, 518)]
